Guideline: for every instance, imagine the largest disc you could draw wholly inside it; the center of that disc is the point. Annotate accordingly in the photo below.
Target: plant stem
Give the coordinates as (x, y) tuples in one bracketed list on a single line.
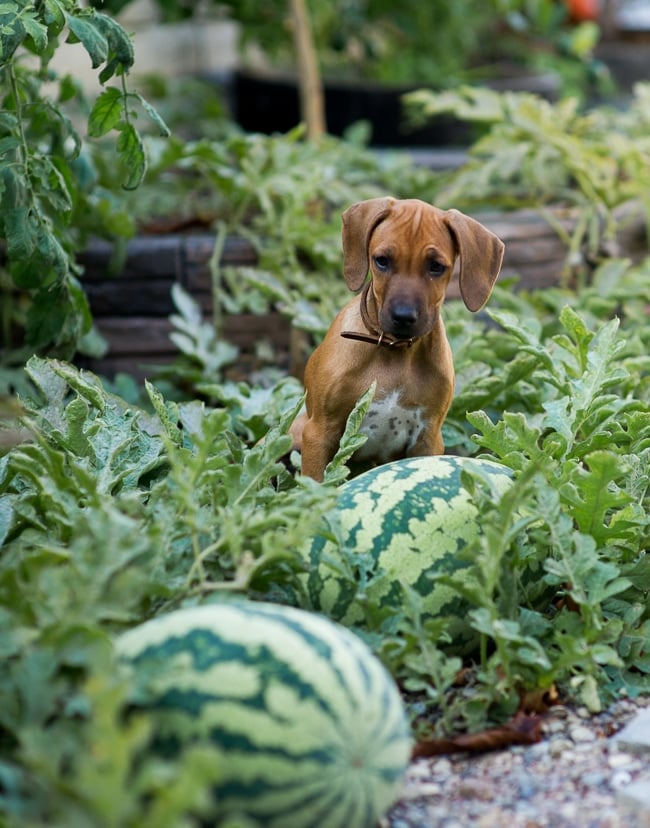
[(125, 98), (23, 149), (309, 81), (215, 277)]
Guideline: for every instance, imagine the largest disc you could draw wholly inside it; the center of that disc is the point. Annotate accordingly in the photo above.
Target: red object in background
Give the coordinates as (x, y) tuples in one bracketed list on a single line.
[(581, 10)]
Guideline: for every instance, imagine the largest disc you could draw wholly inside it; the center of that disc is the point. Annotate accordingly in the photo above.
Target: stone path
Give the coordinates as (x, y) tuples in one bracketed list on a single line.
[(587, 772), (635, 739)]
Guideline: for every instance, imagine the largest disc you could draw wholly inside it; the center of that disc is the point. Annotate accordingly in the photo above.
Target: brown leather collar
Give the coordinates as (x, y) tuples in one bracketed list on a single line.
[(376, 335)]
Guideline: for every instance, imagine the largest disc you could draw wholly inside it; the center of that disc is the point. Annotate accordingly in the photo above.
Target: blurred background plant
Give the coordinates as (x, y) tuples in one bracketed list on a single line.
[(416, 43), (51, 198)]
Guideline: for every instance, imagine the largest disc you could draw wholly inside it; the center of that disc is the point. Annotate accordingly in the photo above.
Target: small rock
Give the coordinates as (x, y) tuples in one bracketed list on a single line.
[(422, 790), (441, 767), (635, 736), (527, 786), (568, 811), (475, 789), (419, 770), (537, 751), (637, 797), (582, 734), (559, 712), (593, 779), (619, 760), (559, 746), (554, 726), (489, 819), (620, 779)]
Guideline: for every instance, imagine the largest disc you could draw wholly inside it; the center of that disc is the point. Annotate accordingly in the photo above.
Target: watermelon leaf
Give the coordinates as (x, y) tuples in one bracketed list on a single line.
[(336, 471)]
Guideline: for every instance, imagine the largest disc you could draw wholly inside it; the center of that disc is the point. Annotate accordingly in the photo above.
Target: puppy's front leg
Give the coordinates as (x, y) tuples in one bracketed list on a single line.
[(319, 445), (430, 443)]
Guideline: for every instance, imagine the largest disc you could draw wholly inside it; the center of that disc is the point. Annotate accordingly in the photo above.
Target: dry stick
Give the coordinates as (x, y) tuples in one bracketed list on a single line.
[(312, 110), (311, 90)]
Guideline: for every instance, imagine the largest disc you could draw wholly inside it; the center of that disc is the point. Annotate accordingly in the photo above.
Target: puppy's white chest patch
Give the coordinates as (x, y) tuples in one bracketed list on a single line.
[(391, 428)]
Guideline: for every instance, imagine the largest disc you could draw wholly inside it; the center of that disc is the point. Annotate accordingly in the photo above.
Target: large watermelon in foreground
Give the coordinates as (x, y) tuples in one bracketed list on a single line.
[(406, 521), (310, 726)]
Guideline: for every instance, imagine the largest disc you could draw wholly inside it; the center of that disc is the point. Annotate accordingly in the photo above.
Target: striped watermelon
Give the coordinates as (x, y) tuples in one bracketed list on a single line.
[(311, 728), (406, 520)]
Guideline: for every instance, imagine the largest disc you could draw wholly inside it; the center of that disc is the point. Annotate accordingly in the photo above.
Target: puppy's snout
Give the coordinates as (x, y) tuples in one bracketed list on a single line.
[(403, 316)]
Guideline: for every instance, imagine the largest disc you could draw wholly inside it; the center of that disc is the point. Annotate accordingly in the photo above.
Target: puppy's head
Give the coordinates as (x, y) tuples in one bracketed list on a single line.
[(410, 249)]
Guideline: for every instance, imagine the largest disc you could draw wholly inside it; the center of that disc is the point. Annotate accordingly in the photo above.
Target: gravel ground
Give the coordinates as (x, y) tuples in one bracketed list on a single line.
[(576, 777)]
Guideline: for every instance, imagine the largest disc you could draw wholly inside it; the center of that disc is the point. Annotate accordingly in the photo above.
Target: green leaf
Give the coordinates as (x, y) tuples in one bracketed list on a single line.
[(154, 116), (52, 388), (120, 45), (85, 29), (36, 30), (590, 581), (86, 385), (351, 440), (55, 191), (47, 317), (20, 233), (76, 413), (6, 518), (594, 493), (588, 693), (50, 249), (167, 412), (106, 113), (131, 150), (54, 15), (8, 144)]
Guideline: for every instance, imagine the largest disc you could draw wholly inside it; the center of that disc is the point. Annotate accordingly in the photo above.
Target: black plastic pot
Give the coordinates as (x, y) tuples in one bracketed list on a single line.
[(270, 103)]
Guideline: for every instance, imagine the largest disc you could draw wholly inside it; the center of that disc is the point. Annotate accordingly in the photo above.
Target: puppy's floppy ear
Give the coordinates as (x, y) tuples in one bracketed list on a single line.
[(359, 222), (481, 255)]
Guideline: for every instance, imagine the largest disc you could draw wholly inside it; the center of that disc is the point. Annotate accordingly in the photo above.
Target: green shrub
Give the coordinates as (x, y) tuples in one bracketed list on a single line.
[(50, 196)]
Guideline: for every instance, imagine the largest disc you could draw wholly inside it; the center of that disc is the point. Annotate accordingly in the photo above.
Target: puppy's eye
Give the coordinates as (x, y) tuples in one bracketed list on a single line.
[(382, 262), (436, 268)]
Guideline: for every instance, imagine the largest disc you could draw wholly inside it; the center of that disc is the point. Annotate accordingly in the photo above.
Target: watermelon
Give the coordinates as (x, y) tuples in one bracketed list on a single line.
[(405, 521), (310, 727)]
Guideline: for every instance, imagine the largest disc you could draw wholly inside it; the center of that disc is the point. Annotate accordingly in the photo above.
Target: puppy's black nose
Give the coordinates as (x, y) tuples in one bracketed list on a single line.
[(403, 316)]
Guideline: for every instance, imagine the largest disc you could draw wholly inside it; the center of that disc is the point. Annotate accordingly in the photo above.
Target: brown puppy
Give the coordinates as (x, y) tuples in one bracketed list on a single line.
[(393, 334)]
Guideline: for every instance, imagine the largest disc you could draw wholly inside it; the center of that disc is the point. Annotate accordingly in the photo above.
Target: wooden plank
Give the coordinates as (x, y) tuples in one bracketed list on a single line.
[(522, 224), (147, 366), (145, 335), (237, 252), (137, 335), (138, 367), (148, 257), (246, 330), (137, 345), (129, 297)]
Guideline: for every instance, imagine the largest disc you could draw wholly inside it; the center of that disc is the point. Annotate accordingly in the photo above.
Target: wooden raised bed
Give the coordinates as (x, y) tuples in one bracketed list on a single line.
[(131, 309)]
